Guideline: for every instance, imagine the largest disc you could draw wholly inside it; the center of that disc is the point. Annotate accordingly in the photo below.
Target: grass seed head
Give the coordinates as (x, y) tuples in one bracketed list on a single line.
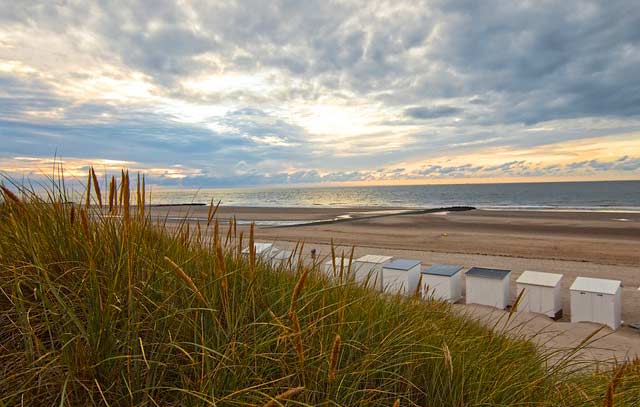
[(285, 395)]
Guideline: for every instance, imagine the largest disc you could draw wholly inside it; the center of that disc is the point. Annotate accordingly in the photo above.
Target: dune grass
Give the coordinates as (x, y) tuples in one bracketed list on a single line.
[(99, 305)]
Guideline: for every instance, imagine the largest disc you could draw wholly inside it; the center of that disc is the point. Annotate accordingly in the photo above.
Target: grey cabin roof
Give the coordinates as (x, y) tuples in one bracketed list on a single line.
[(402, 264), (446, 270), (482, 272), (261, 248), (282, 255)]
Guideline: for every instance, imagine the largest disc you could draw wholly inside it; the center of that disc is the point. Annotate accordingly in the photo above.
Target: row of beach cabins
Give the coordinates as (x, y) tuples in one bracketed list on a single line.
[(592, 299)]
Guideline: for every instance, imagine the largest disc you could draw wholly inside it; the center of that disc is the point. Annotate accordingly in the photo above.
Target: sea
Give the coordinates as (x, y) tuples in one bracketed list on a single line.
[(612, 196)]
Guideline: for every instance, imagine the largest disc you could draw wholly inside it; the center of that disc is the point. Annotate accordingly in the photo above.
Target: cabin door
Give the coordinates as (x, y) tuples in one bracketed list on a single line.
[(547, 301), (601, 308), (582, 306), (531, 298), (536, 300)]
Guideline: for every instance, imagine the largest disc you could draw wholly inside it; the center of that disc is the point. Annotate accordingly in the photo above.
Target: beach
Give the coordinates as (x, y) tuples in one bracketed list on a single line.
[(588, 244)]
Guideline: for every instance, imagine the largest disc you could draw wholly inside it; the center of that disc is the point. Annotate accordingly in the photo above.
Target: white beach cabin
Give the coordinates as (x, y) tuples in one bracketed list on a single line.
[(368, 270), (596, 300), (442, 282), (401, 276), (263, 250), (486, 286), (281, 259), (341, 267), (542, 293)]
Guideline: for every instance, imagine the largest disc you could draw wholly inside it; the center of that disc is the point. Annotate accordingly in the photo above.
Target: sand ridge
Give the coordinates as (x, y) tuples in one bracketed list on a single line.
[(590, 244)]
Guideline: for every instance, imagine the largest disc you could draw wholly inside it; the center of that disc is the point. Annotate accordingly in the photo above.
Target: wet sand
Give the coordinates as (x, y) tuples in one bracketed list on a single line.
[(590, 244)]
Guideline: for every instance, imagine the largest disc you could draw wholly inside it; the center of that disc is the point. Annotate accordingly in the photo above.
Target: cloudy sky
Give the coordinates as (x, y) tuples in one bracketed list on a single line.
[(236, 93)]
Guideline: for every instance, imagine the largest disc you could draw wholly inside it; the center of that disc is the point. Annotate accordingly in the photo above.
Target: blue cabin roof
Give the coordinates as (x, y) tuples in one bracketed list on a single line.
[(446, 270), (402, 264), (495, 274)]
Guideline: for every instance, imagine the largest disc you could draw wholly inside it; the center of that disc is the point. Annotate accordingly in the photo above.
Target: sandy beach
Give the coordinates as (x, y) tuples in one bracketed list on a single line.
[(590, 244)]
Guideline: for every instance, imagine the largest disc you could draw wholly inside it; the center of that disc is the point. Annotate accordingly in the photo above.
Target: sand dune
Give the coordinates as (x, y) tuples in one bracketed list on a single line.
[(571, 243)]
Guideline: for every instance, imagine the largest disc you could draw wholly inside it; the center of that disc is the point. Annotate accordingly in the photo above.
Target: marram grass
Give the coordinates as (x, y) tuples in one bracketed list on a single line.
[(102, 306)]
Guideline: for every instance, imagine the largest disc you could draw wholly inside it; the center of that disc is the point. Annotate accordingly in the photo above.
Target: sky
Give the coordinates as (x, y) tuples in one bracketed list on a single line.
[(243, 93)]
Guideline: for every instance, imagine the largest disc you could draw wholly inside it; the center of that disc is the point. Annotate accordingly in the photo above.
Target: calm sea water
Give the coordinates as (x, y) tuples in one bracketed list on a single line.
[(600, 196)]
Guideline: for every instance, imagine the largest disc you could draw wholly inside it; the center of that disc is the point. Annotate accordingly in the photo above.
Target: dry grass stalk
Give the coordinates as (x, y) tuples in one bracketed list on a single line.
[(186, 279), (286, 395), (297, 289), (294, 253), (111, 194), (252, 251), (611, 387), (87, 201), (239, 246), (588, 337), (85, 224), (96, 186), (186, 234), (104, 399), (10, 196), (125, 196), (120, 197), (297, 336), (285, 330), (418, 292), (235, 226), (212, 212), (224, 285), (333, 258), (138, 199), (115, 194), (351, 257), (300, 265), (333, 359), (216, 234), (448, 361), (228, 238), (514, 308), (72, 215), (140, 196)]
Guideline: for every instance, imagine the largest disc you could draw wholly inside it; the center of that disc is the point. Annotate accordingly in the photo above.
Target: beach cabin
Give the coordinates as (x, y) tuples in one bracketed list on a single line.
[(401, 275), (542, 293), (341, 267), (263, 250), (281, 259), (368, 270), (442, 282), (596, 300), (486, 286)]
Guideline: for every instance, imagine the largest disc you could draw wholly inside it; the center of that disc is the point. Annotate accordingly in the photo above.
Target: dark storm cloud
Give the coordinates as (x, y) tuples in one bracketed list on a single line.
[(18, 96), (559, 60), (431, 112)]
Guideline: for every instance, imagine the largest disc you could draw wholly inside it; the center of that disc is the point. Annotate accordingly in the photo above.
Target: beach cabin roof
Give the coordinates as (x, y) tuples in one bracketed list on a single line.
[(282, 255), (339, 261), (260, 248), (495, 274), (446, 270), (371, 258), (595, 285), (539, 278), (402, 264)]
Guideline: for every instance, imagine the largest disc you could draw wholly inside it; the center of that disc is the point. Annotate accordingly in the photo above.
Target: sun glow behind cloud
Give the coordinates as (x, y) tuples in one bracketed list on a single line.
[(207, 95)]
